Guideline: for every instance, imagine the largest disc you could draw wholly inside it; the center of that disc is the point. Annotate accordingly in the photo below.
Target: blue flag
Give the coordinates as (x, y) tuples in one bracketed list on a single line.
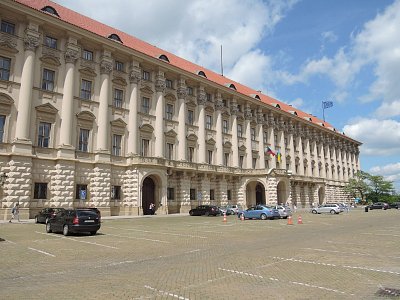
[(327, 104)]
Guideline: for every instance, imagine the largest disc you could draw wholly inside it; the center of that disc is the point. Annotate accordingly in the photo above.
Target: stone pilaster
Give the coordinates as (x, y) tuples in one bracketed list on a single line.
[(218, 127), (182, 93), (159, 122), (134, 79)]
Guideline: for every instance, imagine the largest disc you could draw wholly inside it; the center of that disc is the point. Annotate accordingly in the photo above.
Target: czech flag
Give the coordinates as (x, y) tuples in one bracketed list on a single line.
[(269, 151)]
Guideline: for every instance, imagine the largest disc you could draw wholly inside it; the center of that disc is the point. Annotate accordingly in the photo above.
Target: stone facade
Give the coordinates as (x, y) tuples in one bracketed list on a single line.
[(87, 121)]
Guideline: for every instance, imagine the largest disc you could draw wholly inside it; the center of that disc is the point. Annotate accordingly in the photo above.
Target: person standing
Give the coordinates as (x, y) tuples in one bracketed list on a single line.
[(152, 207), (15, 213)]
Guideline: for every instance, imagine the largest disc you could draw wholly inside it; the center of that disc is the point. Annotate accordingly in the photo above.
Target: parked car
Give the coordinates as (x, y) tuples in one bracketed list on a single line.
[(73, 221), (342, 206), (395, 205), (284, 211), (259, 212), (331, 208), (236, 208), (379, 205), (95, 209), (46, 213), (226, 210), (205, 210)]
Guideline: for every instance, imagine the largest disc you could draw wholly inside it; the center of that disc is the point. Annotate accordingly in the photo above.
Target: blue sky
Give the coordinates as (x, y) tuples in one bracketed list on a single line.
[(301, 52)]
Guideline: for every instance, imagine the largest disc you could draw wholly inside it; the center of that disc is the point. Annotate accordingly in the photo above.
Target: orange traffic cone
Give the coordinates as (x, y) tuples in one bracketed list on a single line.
[(242, 217), (289, 220), (299, 220), (224, 218)]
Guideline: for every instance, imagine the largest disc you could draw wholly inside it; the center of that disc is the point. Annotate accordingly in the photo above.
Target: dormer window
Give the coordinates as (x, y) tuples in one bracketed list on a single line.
[(201, 73), (163, 57), (50, 10), (115, 37), (232, 86)]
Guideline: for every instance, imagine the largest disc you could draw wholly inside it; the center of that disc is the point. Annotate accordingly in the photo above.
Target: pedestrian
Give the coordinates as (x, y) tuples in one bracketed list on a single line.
[(152, 206), (294, 207), (15, 213)]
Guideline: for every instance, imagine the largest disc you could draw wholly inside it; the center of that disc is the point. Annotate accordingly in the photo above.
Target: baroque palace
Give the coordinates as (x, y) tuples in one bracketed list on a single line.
[(90, 116)]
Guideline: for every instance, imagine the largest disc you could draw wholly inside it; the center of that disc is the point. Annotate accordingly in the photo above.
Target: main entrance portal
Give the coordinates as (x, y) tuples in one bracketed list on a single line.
[(148, 192)]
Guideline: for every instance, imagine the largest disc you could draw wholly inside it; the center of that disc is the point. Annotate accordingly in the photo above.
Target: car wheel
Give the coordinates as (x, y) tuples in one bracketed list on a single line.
[(263, 216), (314, 211), (65, 230), (48, 228), (285, 217), (93, 232), (333, 212), (191, 213), (207, 214)]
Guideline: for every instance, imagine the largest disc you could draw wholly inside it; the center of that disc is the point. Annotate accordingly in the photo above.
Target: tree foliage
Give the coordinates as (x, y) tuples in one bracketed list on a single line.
[(358, 186)]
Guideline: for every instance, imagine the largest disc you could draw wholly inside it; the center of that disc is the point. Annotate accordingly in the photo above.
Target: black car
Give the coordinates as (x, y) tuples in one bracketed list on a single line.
[(379, 205), (205, 210), (395, 205), (73, 221), (46, 213)]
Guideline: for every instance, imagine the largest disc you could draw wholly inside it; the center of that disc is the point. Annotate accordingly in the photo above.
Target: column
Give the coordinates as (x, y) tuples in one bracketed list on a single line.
[(271, 139), (334, 160), (201, 101), (291, 148), (67, 110), (218, 126), (134, 79), (249, 157), (328, 162), (103, 121), (322, 154), (261, 147), (23, 124), (235, 142), (182, 93), (308, 156), (159, 123)]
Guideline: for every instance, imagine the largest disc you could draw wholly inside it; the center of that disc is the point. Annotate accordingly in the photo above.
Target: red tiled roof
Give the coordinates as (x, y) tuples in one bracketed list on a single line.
[(103, 30)]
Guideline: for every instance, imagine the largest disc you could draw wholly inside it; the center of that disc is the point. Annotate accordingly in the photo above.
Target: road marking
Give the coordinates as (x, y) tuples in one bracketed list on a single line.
[(344, 252), (292, 282), (75, 240), (40, 251), (136, 238), (165, 233), (166, 293)]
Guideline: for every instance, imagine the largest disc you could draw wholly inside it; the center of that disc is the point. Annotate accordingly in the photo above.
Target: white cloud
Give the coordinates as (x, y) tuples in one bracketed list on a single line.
[(329, 36), (380, 137), (390, 172)]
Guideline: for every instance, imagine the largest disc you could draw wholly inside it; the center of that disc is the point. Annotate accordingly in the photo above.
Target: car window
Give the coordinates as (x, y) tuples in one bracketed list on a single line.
[(86, 213)]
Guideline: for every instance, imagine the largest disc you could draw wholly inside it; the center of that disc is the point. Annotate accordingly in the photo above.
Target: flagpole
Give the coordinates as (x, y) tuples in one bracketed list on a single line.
[(323, 111)]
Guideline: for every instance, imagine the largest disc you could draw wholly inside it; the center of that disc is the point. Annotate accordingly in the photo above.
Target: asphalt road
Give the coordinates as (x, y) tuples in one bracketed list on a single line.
[(353, 255)]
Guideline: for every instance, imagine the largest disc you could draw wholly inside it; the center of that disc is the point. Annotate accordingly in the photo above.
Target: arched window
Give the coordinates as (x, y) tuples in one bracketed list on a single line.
[(50, 10), (163, 57), (232, 86), (201, 73), (115, 37)]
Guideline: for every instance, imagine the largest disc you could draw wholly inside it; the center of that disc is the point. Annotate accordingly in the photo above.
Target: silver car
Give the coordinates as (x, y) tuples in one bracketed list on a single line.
[(284, 211), (326, 208)]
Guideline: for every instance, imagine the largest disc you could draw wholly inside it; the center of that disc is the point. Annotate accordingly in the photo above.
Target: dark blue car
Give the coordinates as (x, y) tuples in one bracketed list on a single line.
[(260, 212)]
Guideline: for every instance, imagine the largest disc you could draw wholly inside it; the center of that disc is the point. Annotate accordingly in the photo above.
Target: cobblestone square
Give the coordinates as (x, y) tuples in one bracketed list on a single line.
[(353, 255)]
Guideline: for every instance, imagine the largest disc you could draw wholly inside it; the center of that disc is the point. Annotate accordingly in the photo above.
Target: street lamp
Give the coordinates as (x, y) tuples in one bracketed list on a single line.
[(3, 178)]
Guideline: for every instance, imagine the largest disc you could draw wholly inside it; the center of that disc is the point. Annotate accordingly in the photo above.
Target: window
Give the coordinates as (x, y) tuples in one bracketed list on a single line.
[(253, 134), (116, 144), (208, 96), (5, 65), (276, 139), (254, 163), (86, 89), (170, 151), (87, 55), (119, 66), (229, 193), (208, 122), (226, 159), (2, 123), (146, 75), (168, 83), (83, 140), (190, 91), (190, 154), (212, 194), (145, 147), (116, 192), (267, 164), (239, 108), (224, 103), (225, 126), (40, 191), (169, 111), (190, 117), (81, 192), (145, 105), (118, 98), (192, 194), (44, 135), (241, 159), (50, 42), (7, 27), (170, 193), (265, 137), (48, 80), (239, 130), (210, 157)]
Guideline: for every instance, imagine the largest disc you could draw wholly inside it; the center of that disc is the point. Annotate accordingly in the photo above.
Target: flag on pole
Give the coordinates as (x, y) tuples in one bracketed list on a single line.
[(279, 156), (269, 151), (327, 104)]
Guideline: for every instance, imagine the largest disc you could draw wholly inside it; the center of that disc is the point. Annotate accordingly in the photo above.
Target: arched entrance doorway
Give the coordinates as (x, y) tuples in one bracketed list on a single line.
[(260, 194), (148, 195), (321, 195), (255, 193), (281, 193)]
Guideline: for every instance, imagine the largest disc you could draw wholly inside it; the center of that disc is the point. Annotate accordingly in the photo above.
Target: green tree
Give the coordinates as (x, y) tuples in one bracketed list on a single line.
[(380, 189), (358, 186)]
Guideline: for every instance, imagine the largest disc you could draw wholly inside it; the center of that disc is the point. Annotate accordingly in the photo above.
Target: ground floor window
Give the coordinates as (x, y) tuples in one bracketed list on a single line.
[(116, 192), (192, 194), (229, 192), (170, 193), (40, 191), (81, 191), (212, 194)]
